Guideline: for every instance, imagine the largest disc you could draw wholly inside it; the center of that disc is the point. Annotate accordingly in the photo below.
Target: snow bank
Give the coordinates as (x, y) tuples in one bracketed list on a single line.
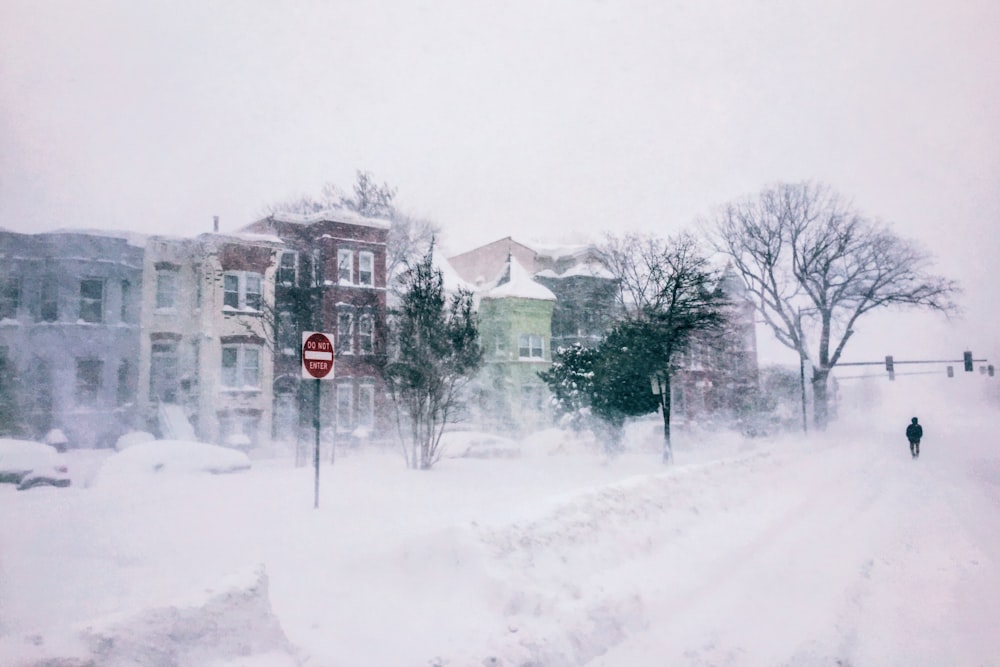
[(231, 621), (131, 438), (168, 457)]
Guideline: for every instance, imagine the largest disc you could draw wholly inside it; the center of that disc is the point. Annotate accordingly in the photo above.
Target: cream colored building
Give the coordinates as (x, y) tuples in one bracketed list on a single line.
[(206, 362)]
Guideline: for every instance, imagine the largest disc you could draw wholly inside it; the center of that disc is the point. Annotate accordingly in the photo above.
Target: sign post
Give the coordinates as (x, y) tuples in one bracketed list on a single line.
[(317, 364)]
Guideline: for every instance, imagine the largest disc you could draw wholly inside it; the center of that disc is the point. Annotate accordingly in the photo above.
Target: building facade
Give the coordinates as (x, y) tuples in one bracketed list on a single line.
[(206, 369), (719, 378), (586, 303), (515, 327), (330, 277), (70, 305)]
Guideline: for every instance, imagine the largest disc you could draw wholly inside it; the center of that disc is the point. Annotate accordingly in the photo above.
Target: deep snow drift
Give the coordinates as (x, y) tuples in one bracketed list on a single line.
[(825, 550)]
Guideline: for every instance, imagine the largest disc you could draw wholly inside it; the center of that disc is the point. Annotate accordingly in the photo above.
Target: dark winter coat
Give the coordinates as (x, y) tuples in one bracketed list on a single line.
[(914, 432)]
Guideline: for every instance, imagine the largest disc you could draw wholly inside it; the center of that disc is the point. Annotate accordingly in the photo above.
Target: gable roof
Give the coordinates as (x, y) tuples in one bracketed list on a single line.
[(516, 282)]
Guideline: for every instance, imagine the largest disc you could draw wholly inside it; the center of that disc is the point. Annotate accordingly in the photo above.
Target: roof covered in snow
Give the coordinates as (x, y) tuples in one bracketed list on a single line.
[(330, 215), (452, 281), (518, 283)]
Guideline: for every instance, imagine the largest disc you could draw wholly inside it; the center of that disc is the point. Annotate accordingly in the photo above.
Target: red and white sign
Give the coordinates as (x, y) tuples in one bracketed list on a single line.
[(317, 355)]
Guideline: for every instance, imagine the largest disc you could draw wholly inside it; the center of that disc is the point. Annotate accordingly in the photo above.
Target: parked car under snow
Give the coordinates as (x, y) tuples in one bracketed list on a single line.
[(165, 457), (28, 464)]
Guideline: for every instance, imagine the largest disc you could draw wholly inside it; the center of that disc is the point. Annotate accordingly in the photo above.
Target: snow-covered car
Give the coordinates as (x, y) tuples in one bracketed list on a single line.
[(165, 457), (28, 464), (478, 445)]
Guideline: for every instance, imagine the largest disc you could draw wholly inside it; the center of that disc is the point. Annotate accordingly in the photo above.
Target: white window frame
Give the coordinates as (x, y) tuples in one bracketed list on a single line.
[(366, 257), (166, 286), (87, 302), (366, 338), (345, 343), (243, 353), (288, 335), (345, 264), (527, 342), (88, 393), (164, 370), (243, 294), (281, 276), (10, 297)]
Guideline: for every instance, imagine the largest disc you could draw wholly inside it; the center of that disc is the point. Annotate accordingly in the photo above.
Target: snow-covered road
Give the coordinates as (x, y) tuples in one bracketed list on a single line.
[(832, 550)]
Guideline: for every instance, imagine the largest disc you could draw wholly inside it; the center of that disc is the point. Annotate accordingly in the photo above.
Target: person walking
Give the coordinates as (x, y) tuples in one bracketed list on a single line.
[(914, 432)]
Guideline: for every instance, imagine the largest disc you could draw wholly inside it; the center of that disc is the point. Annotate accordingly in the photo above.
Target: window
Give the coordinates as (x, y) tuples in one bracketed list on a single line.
[(126, 295), (287, 268), (10, 297), (197, 285), (92, 300), (345, 267), (366, 334), (345, 332), (166, 288), (317, 267), (366, 406), (500, 348), (49, 300), (124, 393), (163, 365), (88, 380), (288, 335), (241, 291), (241, 366), (366, 268), (530, 347), (344, 395)]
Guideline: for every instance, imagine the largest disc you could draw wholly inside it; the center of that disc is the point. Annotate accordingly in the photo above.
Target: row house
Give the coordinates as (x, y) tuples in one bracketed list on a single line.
[(70, 305), (586, 293), (719, 377), (515, 326), (205, 359), (715, 377), (532, 301), (330, 277)]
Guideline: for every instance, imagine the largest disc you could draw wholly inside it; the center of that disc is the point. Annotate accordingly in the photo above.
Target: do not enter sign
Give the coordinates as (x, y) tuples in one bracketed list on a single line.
[(317, 355)]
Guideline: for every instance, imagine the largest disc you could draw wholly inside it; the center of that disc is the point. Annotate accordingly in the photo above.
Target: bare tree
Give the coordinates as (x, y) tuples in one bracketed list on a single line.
[(409, 236), (814, 265), (669, 295)]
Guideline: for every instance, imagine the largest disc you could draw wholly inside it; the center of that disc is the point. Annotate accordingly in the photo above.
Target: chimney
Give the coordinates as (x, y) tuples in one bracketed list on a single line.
[(215, 224)]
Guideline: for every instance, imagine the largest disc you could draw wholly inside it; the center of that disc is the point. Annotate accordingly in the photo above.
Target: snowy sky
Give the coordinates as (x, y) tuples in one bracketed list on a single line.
[(550, 120)]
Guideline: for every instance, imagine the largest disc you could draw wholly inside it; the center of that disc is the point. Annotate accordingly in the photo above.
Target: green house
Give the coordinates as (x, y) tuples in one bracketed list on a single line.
[(515, 323)]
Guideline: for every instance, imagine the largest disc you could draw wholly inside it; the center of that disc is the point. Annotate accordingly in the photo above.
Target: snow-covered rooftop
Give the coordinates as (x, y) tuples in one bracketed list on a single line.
[(332, 215), (136, 239), (452, 281), (520, 285)]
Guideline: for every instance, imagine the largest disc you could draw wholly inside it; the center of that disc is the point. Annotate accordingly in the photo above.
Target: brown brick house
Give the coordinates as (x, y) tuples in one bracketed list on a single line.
[(330, 277)]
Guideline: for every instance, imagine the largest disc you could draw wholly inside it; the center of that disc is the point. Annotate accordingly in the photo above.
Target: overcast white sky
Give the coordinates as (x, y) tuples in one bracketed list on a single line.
[(548, 120)]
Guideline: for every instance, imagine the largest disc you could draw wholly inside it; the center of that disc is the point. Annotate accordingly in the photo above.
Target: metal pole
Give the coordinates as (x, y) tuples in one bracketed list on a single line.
[(316, 458), (802, 384)]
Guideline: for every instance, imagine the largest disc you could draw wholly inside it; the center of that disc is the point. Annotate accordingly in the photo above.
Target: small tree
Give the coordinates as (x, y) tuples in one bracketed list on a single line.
[(434, 352), (570, 380), (815, 265), (669, 295)]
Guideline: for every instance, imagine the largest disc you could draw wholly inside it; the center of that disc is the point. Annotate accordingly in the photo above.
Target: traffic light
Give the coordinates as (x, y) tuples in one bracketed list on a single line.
[(951, 371), (889, 367), (967, 357)]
